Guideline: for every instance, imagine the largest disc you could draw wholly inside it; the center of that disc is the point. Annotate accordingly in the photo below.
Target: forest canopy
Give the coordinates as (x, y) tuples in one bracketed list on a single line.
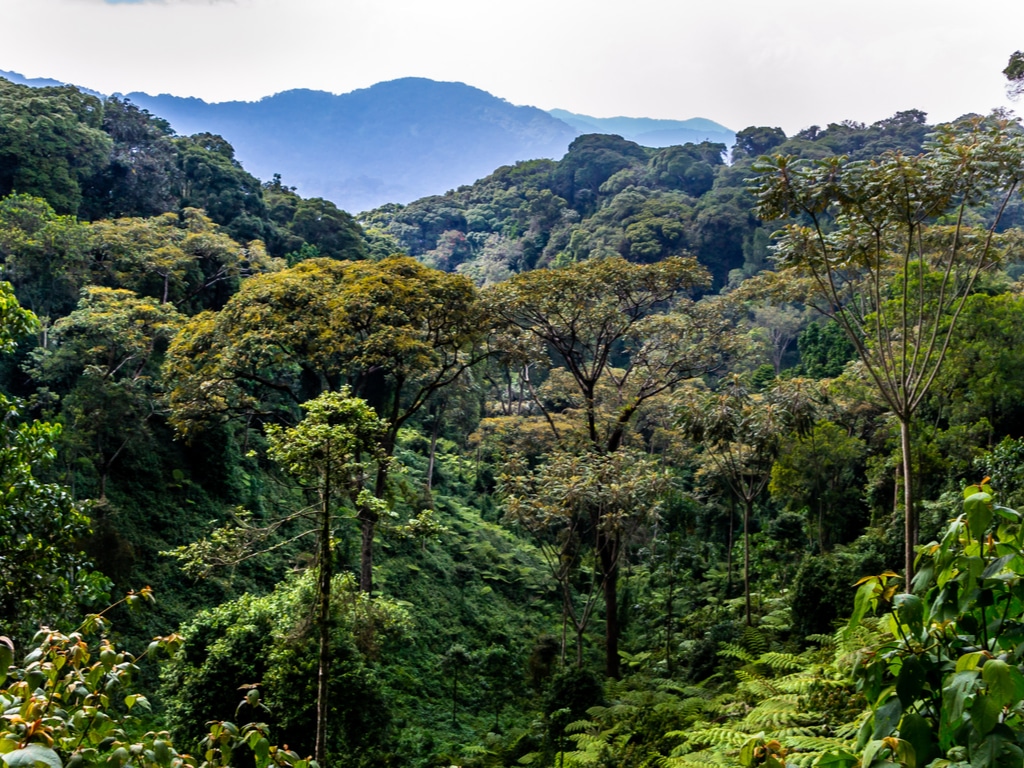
[(682, 456)]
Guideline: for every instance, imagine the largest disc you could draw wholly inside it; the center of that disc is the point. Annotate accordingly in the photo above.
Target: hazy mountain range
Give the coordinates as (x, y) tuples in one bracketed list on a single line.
[(395, 141)]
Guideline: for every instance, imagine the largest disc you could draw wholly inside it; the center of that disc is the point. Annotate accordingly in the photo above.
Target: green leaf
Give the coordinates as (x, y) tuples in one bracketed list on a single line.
[(906, 754), (838, 758), (985, 713), (978, 507), (870, 751), (887, 717), (262, 751), (956, 697), (997, 565), (1005, 682), (910, 681), (969, 661), (6, 657), (861, 603), (910, 611), (31, 756), (986, 754), (917, 731)]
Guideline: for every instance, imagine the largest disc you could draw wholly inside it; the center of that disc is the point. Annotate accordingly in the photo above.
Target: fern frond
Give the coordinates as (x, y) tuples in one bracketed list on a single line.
[(754, 640), (581, 726), (783, 662), (719, 736), (733, 651)]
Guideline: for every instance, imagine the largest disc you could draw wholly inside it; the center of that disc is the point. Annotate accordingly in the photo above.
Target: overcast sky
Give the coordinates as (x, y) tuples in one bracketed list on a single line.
[(791, 63)]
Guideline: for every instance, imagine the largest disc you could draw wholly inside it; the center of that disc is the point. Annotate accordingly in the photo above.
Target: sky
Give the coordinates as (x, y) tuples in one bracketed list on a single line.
[(787, 63)]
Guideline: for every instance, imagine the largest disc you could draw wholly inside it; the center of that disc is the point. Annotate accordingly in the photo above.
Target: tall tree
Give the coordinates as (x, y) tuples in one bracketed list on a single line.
[(891, 249), (394, 331), (608, 326), (740, 434), (42, 570), (103, 360), (330, 450), (51, 140)]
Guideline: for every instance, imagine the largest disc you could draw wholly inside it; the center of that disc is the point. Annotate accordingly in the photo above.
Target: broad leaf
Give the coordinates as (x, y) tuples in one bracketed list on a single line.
[(887, 717), (910, 681), (31, 756), (1005, 682), (978, 507)]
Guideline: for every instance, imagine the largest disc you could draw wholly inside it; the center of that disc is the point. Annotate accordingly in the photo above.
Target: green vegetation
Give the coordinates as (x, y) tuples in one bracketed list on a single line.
[(468, 482)]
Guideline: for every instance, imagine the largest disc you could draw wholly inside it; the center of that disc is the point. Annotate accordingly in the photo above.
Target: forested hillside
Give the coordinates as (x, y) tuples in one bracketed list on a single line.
[(638, 457)]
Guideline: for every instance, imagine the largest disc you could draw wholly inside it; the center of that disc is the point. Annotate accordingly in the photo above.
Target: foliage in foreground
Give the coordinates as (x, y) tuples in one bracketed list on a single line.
[(73, 702)]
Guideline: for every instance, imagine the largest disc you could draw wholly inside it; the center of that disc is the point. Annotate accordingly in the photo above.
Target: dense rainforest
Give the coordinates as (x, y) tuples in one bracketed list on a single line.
[(688, 456)]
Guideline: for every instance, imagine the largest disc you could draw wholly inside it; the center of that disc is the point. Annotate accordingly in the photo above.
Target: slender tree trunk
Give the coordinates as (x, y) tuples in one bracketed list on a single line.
[(728, 555), (909, 528), (367, 524), (610, 571), (669, 615), (433, 450), (565, 621), (747, 508), (324, 660)]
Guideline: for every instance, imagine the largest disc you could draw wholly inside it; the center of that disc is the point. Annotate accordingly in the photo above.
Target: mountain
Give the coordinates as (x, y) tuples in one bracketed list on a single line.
[(397, 141), (42, 82), (393, 142), (650, 132)]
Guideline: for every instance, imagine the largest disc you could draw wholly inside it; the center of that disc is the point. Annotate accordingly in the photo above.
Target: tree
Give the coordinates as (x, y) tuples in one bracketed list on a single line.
[(781, 325), (606, 322), (740, 434), (891, 250), (818, 472), (932, 691), (43, 573), (757, 140), (44, 255), (74, 701), (103, 359), (142, 172), (51, 140), (574, 498), (394, 331), (331, 452), (1014, 73), (185, 260)]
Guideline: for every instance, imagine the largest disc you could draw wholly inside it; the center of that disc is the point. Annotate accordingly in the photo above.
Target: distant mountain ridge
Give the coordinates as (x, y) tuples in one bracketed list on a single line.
[(395, 141), (648, 131), (43, 82)]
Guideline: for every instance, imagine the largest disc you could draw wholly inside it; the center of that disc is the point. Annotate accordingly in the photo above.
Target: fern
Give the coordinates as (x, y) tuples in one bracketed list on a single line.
[(731, 650)]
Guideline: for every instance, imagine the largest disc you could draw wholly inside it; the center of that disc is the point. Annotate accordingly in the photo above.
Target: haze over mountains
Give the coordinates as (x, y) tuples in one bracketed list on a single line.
[(395, 141)]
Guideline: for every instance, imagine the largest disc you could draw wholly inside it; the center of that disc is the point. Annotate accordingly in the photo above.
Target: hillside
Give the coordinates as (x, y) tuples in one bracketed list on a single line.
[(392, 142), (425, 503)]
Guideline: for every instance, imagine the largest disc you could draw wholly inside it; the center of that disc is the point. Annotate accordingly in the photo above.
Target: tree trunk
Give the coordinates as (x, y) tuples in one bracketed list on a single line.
[(669, 615), (909, 530), (324, 660), (367, 524), (610, 571), (433, 449), (747, 508), (728, 554)]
